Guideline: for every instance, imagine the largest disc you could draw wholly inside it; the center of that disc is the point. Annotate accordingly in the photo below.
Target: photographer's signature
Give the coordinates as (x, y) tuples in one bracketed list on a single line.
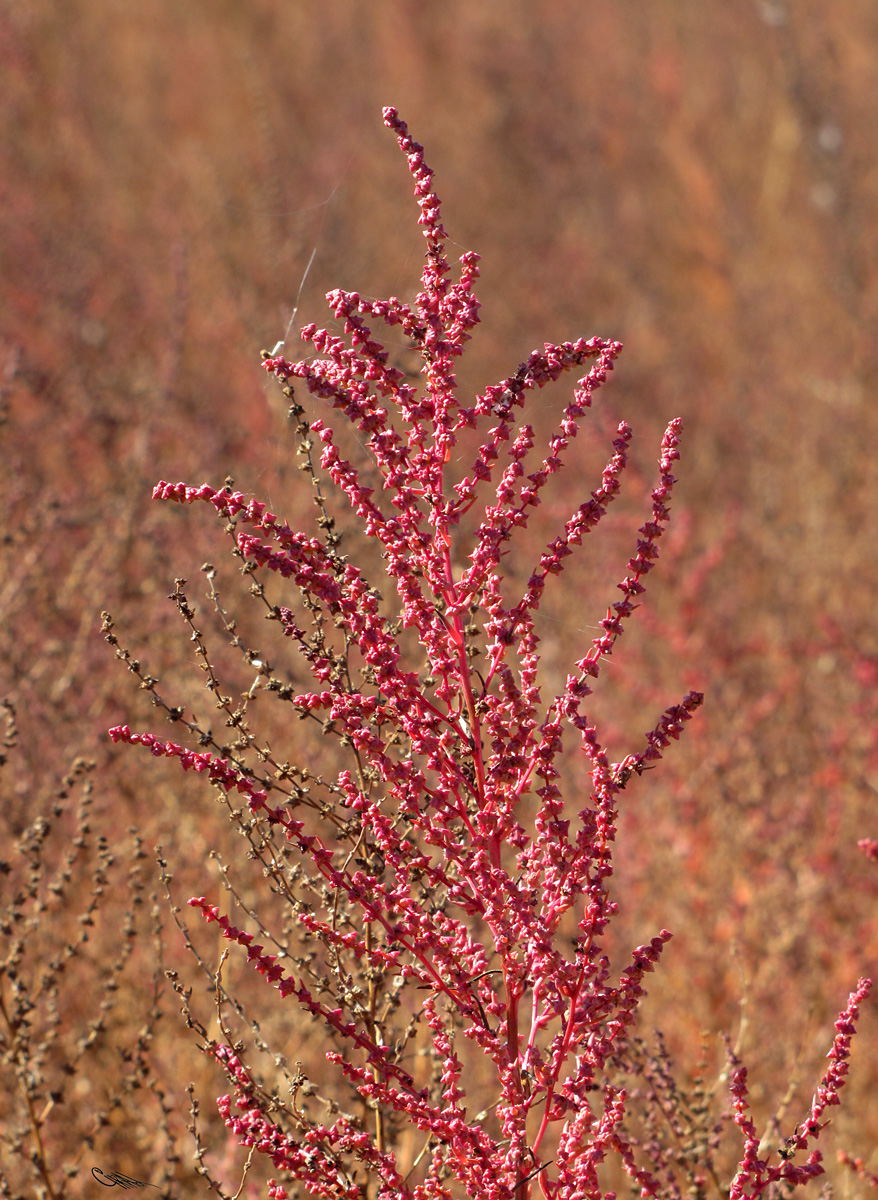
[(117, 1179)]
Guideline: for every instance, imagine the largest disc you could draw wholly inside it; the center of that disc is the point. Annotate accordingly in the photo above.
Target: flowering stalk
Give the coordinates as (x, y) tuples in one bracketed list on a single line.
[(755, 1174), (442, 877)]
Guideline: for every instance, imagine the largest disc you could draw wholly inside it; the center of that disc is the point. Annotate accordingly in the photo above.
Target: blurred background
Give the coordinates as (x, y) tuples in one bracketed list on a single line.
[(699, 181)]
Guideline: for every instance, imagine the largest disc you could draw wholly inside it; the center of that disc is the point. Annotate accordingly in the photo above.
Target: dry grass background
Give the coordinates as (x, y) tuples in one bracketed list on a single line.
[(699, 181)]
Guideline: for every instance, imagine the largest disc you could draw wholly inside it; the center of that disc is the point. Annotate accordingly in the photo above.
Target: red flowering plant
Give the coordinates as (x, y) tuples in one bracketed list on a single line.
[(449, 911)]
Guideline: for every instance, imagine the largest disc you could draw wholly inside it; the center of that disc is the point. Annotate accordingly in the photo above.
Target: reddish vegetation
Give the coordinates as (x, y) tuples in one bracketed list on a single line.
[(695, 182)]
